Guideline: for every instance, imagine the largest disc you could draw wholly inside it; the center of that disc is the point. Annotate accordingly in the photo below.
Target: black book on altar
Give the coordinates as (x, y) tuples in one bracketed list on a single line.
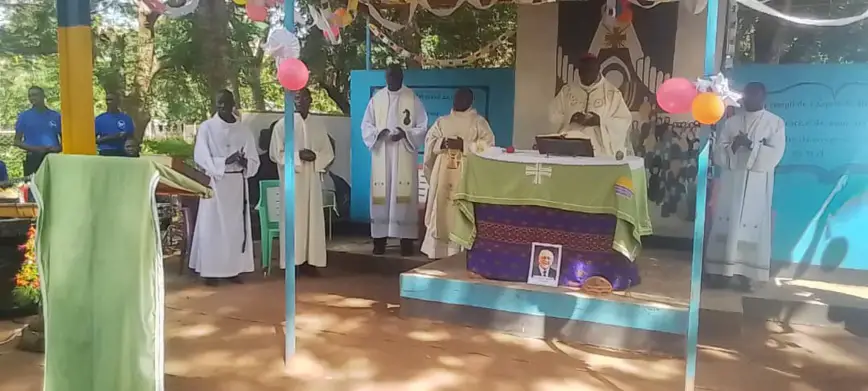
[(559, 146)]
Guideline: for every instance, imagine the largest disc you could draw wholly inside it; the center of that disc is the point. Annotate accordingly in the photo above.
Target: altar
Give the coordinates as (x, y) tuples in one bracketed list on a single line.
[(591, 212)]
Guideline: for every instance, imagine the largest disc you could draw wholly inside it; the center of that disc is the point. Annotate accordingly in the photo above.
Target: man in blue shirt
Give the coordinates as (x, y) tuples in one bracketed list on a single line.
[(37, 131), (113, 128), (4, 174)]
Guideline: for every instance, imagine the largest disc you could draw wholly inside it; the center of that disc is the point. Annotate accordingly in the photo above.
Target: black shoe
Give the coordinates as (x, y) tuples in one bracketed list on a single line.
[(407, 247), (379, 246), (236, 280), (212, 282)]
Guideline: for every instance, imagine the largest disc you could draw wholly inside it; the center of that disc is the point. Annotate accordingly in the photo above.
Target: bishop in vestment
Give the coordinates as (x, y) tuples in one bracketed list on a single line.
[(592, 108), (462, 131), (747, 151), (314, 155), (394, 128), (226, 152)]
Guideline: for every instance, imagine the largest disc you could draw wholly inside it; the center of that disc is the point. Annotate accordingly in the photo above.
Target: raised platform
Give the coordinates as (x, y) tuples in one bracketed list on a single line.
[(651, 317)]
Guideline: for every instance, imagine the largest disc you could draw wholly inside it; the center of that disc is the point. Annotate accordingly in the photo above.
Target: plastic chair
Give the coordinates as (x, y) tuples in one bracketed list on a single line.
[(329, 205), (269, 230)]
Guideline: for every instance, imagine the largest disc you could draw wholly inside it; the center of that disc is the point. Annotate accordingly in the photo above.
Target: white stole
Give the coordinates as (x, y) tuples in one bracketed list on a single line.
[(404, 154)]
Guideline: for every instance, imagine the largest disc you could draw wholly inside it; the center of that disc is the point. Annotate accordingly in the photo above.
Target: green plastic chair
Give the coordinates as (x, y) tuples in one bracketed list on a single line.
[(269, 220)]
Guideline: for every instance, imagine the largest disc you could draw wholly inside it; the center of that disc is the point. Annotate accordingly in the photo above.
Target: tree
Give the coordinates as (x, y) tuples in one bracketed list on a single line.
[(457, 35), (768, 39)]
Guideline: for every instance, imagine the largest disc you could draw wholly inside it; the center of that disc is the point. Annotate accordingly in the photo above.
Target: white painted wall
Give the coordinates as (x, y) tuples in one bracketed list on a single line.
[(536, 63)]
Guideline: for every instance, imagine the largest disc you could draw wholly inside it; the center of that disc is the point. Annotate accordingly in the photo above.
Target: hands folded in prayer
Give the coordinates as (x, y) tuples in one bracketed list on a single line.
[(399, 134), (307, 155), (453, 143), (589, 119)]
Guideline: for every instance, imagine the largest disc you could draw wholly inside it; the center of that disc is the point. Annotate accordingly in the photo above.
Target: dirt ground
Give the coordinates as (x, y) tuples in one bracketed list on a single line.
[(230, 338)]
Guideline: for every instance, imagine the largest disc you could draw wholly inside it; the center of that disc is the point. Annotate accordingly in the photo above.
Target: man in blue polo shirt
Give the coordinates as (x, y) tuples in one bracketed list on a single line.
[(113, 127), (37, 131)]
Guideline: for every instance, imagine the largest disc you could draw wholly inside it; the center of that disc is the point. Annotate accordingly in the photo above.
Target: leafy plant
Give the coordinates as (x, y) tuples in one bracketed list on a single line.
[(26, 292)]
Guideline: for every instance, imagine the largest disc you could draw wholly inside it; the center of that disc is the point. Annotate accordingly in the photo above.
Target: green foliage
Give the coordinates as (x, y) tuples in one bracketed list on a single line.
[(176, 86), (169, 147), (26, 296)]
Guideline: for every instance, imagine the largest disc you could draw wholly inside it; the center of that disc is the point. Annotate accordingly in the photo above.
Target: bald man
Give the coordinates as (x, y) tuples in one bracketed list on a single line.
[(592, 108), (544, 267)]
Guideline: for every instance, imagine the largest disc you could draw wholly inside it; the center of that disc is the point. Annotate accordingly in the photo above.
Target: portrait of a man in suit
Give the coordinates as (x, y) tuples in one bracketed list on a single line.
[(544, 264)]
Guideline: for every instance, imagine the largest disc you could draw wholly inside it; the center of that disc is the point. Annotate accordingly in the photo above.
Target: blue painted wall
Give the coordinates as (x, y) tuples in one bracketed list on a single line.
[(821, 185), (494, 93)]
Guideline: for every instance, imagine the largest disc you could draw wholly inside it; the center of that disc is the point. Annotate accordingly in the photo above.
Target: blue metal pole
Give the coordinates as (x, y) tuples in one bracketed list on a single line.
[(699, 223), (289, 197), (367, 43)]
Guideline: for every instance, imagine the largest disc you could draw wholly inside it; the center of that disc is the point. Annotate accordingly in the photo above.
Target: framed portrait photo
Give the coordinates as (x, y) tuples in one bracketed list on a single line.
[(545, 264)]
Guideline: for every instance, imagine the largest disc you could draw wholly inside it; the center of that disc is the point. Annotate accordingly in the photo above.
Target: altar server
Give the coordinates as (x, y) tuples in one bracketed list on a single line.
[(747, 150), (313, 158), (592, 108), (462, 131), (225, 150), (394, 130)]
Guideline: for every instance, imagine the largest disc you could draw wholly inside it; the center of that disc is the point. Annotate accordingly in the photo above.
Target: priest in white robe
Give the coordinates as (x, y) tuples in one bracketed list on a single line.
[(394, 128), (592, 108), (226, 152), (747, 150), (313, 156), (452, 136)]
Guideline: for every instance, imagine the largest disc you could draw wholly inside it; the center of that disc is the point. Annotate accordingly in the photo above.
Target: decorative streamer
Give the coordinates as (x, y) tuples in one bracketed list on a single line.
[(471, 58), (171, 12), (695, 6), (331, 32), (353, 8), (443, 12), (731, 35)]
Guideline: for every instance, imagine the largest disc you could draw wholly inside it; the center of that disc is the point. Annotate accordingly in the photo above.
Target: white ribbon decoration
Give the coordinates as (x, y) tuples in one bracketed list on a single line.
[(184, 10), (719, 85), (694, 6), (321, 21), (444, 12), (760, 7), (282, 44)]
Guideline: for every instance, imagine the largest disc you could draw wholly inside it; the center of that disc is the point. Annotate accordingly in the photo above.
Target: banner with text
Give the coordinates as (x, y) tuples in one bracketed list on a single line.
[(821, 185)]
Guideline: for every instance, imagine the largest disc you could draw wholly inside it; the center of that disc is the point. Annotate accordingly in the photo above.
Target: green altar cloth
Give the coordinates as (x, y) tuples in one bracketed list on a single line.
[(614, 189), (101, 271)]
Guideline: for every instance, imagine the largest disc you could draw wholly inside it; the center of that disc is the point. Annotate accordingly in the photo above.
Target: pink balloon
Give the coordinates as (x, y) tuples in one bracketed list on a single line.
[(293, 74), (256, 11), (676, 95)]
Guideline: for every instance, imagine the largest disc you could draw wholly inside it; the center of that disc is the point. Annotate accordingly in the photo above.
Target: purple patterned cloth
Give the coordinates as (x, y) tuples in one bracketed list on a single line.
[(504, 237)]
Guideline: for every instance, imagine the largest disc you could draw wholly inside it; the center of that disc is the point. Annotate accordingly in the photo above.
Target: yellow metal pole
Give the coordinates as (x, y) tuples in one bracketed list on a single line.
[(76, 77)]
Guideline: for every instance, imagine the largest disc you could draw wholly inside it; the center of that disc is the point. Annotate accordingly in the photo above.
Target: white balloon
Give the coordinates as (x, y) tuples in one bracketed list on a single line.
[(282, 44)]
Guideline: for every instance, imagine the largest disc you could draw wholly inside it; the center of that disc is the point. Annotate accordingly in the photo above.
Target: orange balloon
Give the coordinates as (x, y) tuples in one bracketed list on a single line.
[(708, 108)]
